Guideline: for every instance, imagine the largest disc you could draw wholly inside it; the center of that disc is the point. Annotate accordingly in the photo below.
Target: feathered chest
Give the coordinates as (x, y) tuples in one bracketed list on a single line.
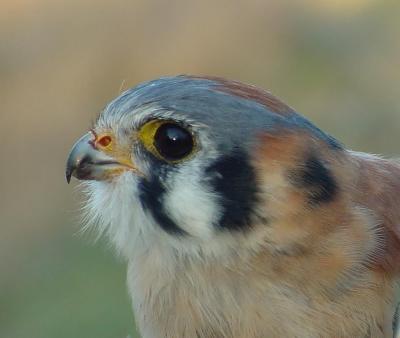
[(225, 301)]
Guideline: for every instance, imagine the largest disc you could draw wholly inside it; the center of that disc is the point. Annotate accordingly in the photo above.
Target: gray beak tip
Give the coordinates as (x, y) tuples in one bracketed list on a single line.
[(77, 153), (68, 174)]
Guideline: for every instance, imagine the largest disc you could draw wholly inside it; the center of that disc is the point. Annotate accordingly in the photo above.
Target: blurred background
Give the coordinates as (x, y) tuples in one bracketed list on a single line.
[(337, 62)]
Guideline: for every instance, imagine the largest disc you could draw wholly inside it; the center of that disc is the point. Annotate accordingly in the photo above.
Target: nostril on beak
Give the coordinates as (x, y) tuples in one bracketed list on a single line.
[(104, 141), (88, 159)]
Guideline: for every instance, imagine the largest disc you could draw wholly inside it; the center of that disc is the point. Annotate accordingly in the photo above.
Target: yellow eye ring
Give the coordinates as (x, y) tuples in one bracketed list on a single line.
[(167, 140)]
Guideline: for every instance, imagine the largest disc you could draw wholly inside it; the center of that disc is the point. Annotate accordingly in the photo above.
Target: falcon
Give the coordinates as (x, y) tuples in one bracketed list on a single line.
[(238, 217)]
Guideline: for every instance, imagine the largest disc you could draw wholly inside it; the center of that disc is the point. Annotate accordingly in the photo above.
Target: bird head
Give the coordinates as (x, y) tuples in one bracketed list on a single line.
[(200, 165)]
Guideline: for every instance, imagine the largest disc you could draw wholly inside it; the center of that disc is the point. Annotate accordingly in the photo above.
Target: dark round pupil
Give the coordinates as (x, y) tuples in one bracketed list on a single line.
[(173, 142)]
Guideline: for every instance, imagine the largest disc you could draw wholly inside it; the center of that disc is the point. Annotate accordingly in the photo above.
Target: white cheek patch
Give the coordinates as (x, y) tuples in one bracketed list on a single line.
[(192, 206), (113, 209)]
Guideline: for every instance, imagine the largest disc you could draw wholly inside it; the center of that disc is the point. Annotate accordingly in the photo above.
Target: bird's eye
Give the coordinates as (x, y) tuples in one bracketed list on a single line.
[(173, 142), (167, 140)]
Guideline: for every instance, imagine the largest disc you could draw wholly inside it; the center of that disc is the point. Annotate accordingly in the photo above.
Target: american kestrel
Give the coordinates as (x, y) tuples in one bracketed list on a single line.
[(238, 217)]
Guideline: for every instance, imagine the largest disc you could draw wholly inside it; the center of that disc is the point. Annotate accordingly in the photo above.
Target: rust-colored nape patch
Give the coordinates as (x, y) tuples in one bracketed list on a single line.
[(282, 146), (249, 92)]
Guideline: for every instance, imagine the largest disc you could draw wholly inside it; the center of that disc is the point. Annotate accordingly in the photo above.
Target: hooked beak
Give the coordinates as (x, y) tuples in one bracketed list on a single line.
[(87, 162)]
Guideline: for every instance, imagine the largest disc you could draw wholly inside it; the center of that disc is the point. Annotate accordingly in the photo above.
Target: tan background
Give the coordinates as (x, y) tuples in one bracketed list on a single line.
[(336, 62)]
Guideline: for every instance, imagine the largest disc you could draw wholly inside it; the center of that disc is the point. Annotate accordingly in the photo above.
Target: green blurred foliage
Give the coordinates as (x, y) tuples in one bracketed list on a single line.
[(337, 62), (69, 289)]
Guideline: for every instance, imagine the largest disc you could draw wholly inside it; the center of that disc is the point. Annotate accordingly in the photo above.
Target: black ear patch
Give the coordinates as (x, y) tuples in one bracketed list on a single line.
[(234, 180), (317, 180), (151, 193)]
